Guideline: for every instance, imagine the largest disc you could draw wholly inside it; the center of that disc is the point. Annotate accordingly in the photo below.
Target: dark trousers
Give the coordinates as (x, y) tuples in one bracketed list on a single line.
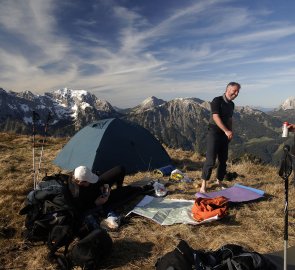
[(217, 147), (113, 176), (120, 195)]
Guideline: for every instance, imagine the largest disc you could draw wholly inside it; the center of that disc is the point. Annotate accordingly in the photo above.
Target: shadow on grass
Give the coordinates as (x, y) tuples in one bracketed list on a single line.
[(187, 164), (127, 250), (7, 232)]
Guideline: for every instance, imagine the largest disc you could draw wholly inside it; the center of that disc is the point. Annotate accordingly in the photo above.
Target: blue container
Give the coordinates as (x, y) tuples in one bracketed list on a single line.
[(165, 171)]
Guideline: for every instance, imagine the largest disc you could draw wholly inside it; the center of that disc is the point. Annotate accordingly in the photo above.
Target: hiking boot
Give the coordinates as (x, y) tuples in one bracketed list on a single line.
[(112, 222)]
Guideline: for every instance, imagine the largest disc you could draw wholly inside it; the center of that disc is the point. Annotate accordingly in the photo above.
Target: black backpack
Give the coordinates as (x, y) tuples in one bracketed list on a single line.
[(228, 257), (46, 207), (91, 250), (51, 218)]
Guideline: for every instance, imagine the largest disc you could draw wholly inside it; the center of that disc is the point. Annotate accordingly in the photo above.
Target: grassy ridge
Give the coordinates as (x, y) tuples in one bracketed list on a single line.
[(139, 242)]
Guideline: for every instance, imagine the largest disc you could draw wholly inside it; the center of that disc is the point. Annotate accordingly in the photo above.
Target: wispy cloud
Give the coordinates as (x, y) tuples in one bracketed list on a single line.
[(190, 49), (265, 35)]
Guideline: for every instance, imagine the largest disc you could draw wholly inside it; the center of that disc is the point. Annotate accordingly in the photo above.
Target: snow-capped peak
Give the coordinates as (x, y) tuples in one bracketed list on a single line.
[(151, 102), (288, 104), (69, 93), (79, 99)]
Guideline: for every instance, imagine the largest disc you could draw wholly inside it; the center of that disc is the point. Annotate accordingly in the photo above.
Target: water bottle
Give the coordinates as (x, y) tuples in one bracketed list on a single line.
[(285, 130)]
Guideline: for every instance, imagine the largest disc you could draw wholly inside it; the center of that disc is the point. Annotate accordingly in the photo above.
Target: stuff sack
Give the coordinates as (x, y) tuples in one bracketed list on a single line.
[(236, 257), (205, 208), (228, 257), (60, 236), (183, 257), (91, 250)]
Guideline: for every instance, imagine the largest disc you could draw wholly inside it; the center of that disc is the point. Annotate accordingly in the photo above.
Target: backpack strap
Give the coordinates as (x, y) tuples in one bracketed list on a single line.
[(198, 262), (190, 255), (229, 264)]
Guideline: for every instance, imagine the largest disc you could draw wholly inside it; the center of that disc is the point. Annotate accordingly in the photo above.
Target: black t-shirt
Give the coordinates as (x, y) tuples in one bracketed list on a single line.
[(224, 108), (87, 196)]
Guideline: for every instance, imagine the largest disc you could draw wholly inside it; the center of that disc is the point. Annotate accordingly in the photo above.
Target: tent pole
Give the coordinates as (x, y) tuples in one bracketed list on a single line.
[(43, 142), (286, 223), (35, 117), (284, 172)]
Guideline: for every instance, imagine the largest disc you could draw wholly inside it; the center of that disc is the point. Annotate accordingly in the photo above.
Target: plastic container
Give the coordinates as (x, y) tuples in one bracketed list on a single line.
[(160, 189)]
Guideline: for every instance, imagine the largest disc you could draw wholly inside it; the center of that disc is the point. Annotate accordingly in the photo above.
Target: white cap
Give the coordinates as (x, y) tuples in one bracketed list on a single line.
[(83, 173)]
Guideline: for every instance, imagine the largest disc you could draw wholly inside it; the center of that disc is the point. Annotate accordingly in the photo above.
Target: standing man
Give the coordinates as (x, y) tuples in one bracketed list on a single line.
[(220, 134)]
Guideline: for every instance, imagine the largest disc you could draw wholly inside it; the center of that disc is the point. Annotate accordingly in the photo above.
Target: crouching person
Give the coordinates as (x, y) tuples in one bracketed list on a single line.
[(95, 196)]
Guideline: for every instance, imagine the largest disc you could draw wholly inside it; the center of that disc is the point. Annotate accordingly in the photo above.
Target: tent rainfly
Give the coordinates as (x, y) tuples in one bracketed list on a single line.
[(111, 142)]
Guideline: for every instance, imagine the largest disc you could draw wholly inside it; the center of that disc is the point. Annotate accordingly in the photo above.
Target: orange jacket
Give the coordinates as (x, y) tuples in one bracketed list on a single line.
[(205, 208)]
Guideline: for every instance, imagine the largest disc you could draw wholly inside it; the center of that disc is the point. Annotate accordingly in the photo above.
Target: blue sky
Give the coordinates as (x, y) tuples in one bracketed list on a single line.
[(124, 51)]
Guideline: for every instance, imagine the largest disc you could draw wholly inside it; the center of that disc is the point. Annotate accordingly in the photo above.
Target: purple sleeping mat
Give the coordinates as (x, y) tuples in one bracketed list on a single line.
[(236, 193)]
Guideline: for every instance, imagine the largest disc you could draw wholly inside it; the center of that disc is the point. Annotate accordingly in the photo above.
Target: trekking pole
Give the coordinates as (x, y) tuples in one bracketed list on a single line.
[(35, 117), (49, 117), (284, 172)]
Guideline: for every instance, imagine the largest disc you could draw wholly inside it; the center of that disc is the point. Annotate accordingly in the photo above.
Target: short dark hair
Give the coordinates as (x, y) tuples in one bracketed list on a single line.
[(233, 84)]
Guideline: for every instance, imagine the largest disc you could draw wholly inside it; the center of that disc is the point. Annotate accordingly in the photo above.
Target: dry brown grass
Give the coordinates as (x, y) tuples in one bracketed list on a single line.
[(139, 242)]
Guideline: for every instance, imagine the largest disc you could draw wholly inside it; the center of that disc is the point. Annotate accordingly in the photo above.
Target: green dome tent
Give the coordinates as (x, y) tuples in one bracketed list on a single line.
[(111, 142)]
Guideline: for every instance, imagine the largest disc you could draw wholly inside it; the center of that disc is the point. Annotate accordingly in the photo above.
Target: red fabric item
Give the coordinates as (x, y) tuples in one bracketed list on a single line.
[(205, 208)]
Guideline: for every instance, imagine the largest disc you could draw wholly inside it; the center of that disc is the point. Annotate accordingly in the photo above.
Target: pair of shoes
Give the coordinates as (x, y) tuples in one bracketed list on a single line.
[(112, 222)]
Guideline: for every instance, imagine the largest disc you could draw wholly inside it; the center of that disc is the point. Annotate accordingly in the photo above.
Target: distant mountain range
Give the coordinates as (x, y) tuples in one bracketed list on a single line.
[(178, 123), (263, 109), (70, 110)]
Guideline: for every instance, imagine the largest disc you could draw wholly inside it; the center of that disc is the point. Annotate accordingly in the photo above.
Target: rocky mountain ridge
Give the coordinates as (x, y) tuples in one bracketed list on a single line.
[(70, 109), (178, 123)]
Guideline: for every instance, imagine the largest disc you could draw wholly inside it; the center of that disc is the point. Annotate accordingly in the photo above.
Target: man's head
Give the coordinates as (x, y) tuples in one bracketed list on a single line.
[(232, 90), (83, 176)]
